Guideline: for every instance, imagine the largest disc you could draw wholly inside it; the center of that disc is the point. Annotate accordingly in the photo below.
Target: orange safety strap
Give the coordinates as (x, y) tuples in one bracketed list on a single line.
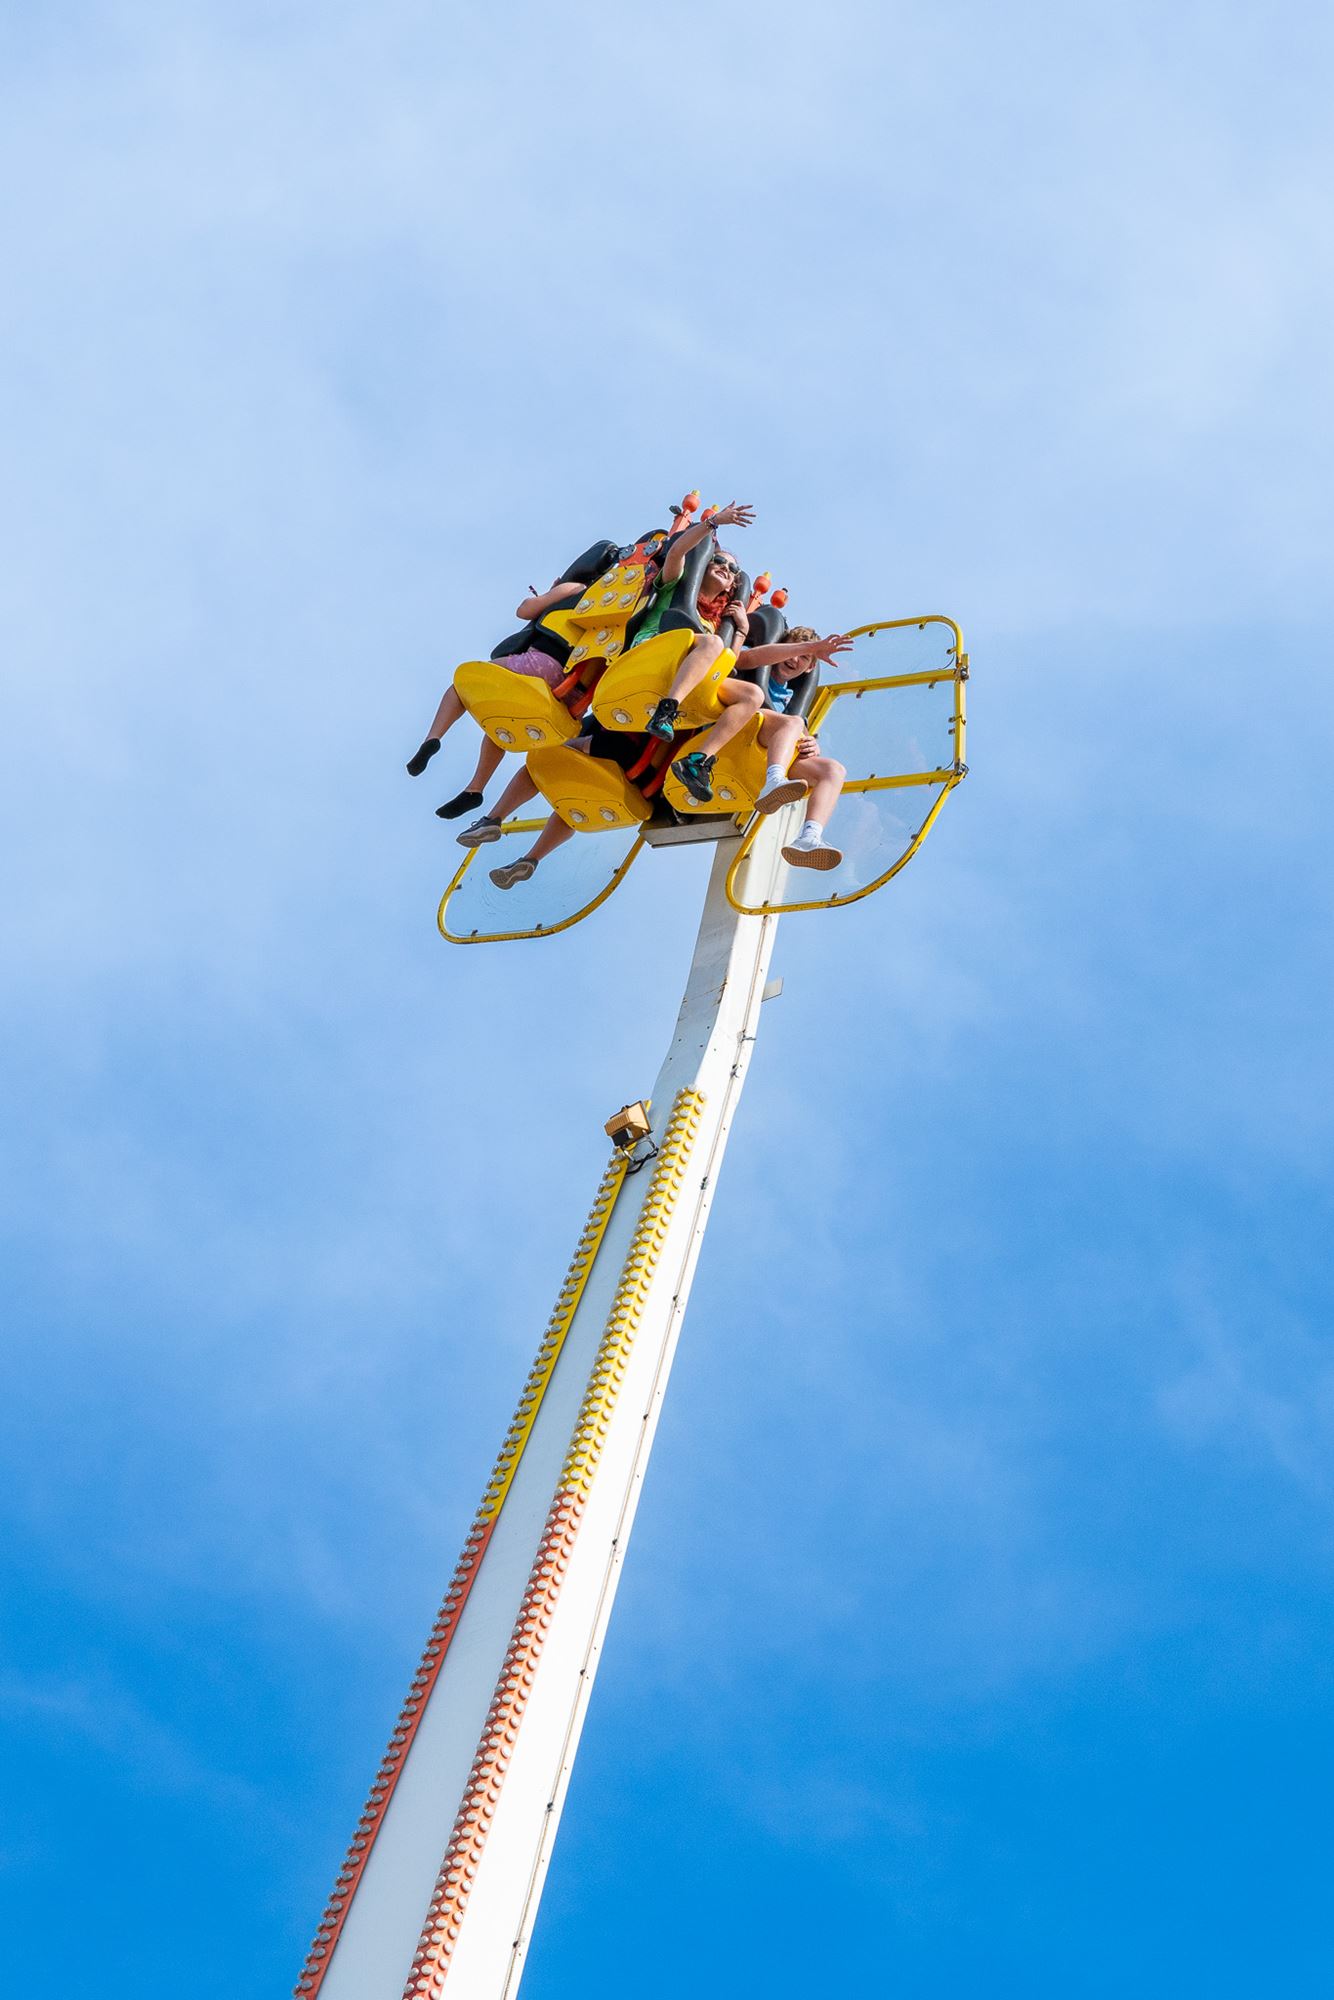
[(591, 672), (662, 751)]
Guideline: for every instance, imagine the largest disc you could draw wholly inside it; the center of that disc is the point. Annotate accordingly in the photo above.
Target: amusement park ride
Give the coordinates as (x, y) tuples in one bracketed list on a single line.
[(439, 1891)]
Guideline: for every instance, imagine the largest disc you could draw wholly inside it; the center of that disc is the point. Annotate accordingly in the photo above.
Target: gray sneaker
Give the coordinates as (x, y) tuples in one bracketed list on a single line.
[(515, 871), (480, 832)]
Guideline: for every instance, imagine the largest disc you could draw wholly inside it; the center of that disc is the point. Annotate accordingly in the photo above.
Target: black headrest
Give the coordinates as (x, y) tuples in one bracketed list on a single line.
[(590, 565), (768, 626)]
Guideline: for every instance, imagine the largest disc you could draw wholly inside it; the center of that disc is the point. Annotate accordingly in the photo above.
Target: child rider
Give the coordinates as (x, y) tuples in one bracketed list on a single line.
[(795, 766), (532, 661)]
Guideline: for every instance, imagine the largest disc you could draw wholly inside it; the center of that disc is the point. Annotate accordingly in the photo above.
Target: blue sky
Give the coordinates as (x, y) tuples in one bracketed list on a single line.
[(977, 1630)]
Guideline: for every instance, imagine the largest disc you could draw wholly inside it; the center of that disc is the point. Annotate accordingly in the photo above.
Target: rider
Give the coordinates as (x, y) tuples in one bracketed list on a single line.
[(713, 603), (593, 740), (532, 661), (789, 660), (795, 765)]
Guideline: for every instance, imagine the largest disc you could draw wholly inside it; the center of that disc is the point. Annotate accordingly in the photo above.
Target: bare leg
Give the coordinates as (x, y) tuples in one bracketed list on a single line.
[(448, 713), (553, 835), (741, 700), (825, 776), (779, 737), (517, 794), (488, 763), (488, 758), (695, 665)]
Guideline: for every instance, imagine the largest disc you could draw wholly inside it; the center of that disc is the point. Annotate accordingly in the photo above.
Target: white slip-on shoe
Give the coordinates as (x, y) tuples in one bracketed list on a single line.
[(780, 795), (815, 854)]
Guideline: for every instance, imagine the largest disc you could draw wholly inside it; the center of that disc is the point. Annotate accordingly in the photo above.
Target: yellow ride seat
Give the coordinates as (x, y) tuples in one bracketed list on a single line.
[(591, 794), (738, 775), (594, 626), (517, 711), (633, 686)]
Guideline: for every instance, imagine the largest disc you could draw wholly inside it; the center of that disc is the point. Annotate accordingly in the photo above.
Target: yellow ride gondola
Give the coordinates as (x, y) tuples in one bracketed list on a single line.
[(897, 727)]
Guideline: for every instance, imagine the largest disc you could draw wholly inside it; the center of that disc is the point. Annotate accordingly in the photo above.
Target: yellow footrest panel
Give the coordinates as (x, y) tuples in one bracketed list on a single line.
[(517, 711), (591, 794), (738, 775), (633, 686)]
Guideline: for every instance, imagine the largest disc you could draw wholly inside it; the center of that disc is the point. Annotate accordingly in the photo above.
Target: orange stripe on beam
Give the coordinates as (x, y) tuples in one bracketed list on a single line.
[(442, 1632), (444, 1916)]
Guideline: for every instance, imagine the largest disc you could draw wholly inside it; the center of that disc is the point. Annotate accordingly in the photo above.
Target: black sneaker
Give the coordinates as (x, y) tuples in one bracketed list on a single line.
[(695, 771), (420, 759), (662, 722), (462, 802)]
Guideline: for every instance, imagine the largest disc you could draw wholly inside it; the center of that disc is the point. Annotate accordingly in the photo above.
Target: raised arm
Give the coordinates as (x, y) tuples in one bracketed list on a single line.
[(736, 514), (540, 602), (795, 649)]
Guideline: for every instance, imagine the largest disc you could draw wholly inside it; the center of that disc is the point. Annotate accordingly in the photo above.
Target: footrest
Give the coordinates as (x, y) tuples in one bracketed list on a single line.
[(591, 794), (738, 775), (633, 686), (517, 711)]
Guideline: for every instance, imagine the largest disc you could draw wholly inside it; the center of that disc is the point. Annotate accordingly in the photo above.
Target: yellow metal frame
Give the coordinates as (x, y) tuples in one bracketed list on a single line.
[(946, 779), (542, 930)]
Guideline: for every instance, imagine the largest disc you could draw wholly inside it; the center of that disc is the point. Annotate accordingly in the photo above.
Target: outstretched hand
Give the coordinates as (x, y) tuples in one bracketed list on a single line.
[(826, 649), (736, 514)]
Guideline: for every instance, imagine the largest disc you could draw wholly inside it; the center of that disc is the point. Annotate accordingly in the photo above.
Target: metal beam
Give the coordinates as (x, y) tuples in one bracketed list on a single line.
[(440, 1891)]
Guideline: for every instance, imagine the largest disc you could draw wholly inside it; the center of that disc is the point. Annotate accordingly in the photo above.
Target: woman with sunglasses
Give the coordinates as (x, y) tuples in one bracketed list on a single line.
[(714, 602)]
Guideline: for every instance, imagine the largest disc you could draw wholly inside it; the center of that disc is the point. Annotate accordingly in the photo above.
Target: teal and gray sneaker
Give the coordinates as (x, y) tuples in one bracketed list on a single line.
[(662, 722), (695, 771)]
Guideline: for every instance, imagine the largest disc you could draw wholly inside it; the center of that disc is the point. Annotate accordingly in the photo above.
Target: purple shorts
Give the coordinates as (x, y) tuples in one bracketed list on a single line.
[(540, 666)]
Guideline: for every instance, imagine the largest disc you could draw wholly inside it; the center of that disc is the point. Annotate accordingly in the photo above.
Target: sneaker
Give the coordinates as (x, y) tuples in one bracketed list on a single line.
[(516, 871), (421, 758), (662, 722), (462, 802), (785, 794), (805, 853), (480, 832), (695, 771)]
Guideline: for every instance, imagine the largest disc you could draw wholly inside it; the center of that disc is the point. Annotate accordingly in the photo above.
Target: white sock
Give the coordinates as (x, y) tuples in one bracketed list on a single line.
[(810, 833), (775, 775)]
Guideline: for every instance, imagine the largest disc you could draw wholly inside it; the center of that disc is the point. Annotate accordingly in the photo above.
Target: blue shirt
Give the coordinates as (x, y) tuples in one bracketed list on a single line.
[(780, 694)]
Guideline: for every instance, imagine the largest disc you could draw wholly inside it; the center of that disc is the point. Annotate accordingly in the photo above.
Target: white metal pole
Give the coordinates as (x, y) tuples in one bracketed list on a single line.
[(441, 1887)]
